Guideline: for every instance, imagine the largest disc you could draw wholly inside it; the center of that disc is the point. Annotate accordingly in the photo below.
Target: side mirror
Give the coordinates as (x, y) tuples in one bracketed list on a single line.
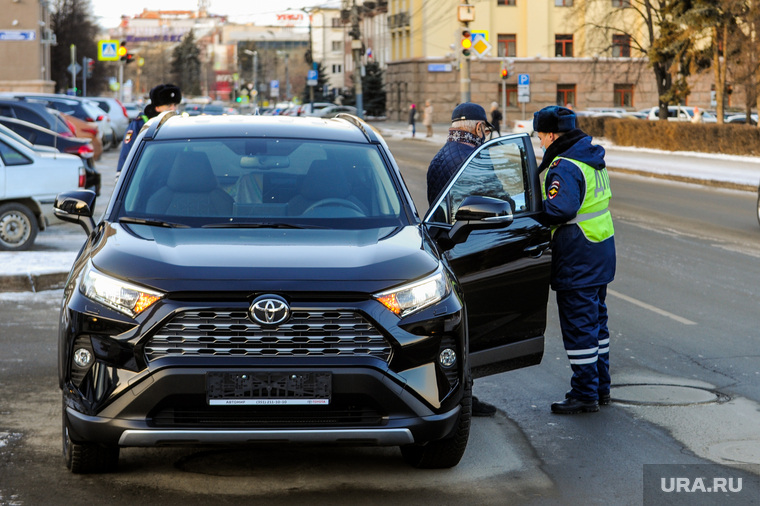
[(76, 207), (477, 213)]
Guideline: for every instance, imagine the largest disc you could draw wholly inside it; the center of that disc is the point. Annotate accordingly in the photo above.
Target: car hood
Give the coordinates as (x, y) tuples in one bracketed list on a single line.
[(176, 259)]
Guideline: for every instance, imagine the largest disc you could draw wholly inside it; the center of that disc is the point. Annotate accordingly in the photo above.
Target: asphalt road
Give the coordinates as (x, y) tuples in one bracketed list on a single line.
[(685, 369)]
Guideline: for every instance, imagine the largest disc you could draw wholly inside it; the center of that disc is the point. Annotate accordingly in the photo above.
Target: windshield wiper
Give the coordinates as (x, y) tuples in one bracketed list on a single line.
[(229, 224), (154, 223)]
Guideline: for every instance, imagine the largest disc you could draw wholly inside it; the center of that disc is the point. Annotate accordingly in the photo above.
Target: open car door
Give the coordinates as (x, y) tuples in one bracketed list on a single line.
[(504, 272)]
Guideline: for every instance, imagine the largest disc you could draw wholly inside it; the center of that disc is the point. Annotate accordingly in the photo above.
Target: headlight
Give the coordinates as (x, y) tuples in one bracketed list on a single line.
[(122, 296), (418, 295)]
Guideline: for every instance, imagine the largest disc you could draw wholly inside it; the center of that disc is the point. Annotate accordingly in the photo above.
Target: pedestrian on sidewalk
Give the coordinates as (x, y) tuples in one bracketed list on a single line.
[(469, 127), (412, 118), (427, 118), (576, 195), (496, 118), (164, 97)]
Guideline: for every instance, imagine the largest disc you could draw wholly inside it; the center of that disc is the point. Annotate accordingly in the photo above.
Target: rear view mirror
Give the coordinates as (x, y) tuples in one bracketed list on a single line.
[(76, 207)]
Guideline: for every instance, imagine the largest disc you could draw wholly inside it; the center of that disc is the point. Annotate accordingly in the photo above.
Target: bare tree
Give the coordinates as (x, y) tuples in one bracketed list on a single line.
[(653, 31)]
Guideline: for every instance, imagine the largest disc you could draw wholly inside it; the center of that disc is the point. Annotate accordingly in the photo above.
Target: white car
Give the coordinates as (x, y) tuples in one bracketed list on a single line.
[(29, 182), (681, 113), (118, 114)]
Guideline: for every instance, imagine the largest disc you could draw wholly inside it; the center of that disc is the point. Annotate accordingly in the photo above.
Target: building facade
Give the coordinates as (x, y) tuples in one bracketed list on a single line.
[(25, 40)]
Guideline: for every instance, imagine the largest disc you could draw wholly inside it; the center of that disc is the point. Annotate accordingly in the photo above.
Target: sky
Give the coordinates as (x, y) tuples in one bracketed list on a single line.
[(107, 13)]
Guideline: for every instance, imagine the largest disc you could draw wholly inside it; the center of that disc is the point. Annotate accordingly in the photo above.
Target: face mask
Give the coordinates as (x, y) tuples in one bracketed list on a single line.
[(543, 149)]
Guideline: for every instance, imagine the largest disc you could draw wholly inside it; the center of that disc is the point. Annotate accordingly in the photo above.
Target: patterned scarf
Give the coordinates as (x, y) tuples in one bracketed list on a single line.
[(464, 137)]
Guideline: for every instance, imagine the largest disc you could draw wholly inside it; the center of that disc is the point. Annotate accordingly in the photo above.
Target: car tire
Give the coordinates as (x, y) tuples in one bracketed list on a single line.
[(87, 458), (18, 227), (758, 205), (447, 452)]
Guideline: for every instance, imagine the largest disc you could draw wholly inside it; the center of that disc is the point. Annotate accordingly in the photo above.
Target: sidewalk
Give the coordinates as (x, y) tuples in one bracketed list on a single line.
[(47, 265)]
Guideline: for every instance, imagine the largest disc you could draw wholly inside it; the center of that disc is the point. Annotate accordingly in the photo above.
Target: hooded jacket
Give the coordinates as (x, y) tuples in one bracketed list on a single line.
[(576, 261)]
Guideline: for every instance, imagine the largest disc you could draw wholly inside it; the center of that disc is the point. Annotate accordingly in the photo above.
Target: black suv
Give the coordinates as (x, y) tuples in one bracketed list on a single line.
[(268, 279)]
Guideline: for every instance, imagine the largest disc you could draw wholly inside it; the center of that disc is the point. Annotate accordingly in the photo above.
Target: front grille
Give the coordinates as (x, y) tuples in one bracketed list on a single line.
[(231, 333)]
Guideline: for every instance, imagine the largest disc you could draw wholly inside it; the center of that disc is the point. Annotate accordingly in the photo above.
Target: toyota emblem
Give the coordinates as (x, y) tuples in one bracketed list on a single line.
[(269, 310)]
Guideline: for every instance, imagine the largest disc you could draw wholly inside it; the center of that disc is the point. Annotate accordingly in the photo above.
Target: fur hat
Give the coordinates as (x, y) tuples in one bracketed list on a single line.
[(165, 94), (553, 119)]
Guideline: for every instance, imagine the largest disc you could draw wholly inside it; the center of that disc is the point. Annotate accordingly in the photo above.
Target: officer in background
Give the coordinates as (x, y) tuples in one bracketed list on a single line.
[(164, 97), (576, 194)]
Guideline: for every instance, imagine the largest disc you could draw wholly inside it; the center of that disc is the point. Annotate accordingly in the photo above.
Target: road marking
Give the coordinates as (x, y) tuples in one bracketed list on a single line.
[(651, 308)]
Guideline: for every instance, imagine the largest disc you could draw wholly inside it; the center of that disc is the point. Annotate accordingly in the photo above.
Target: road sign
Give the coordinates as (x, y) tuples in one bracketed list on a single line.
[(480, 43), (108, 50), (274, 88), (523, 79), (74, 68), (18, 35), (312, 77)]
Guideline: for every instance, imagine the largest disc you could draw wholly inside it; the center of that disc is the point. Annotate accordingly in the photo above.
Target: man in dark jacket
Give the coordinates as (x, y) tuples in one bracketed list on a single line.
[(469, 127), (164, 97), (576, 197)]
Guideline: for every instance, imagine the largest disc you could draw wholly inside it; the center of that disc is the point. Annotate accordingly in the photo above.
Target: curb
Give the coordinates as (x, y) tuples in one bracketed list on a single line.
[(33, 282)]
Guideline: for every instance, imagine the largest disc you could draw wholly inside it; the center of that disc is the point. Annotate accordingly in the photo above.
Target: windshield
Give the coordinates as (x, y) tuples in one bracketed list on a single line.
[(278, 183)]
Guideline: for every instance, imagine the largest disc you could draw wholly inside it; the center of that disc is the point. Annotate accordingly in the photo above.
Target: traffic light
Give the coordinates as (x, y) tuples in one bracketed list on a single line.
[(466, 42), (122, 51), (90, 67), (504, 73), (129, 58)]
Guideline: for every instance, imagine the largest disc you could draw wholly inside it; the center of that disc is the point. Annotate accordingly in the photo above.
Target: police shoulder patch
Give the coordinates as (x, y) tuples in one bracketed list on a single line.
[(127, 137), (554, 164), (553, 189)]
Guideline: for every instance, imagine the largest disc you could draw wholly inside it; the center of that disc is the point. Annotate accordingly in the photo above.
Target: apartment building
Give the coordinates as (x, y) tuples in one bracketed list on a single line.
[(25, 40)]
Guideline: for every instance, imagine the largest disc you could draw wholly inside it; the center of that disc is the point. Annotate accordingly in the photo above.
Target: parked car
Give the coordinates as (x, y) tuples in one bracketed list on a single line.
[(193, 109), (681, 113), (79, 107), (133, 110), (86, 130), (742, 119), (117, 113), (268, 279), (33, 112), (306, 109), (29, 182), (65, 144)]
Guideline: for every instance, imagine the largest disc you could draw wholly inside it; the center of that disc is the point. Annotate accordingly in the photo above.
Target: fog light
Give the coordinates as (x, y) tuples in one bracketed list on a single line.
[(447, 358), (83, 358)]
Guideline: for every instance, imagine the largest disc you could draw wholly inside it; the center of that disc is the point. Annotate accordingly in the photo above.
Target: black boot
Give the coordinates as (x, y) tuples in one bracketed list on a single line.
[(480, 408), (572, 406)]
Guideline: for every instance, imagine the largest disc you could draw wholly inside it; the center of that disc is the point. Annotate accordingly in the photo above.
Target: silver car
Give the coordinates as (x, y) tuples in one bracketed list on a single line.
[(118, 114)]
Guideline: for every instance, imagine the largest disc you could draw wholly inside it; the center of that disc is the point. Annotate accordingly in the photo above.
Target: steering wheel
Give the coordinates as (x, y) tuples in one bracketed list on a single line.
[(335, 202)]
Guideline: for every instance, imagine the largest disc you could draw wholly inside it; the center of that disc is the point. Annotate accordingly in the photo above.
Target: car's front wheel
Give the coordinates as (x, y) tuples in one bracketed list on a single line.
[(447, 452), (18, 227), (85, 458), (758, 204)]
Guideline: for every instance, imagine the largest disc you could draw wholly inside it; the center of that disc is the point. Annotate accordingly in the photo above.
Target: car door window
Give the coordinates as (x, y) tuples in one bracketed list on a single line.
[(11, 156), (497, 170)]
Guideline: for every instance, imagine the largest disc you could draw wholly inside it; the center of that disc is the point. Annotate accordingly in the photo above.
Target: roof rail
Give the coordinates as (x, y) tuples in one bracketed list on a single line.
[(367, 130)]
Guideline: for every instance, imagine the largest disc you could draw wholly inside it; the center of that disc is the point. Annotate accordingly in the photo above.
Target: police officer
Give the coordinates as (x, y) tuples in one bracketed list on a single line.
[(576, 195), (164, 97)]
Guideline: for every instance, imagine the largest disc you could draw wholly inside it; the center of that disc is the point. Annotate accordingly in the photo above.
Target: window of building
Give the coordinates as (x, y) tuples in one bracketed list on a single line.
[(623, 95), (337, 45), (621, 3), (336, 23), (563, 3), (565, 94), (507, 44), (621, 46), (506, 2), (563, 45), (337, 69), (512, 95)]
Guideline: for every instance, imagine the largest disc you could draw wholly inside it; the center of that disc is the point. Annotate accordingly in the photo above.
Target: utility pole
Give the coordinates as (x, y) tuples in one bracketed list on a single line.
[(356, 49)]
